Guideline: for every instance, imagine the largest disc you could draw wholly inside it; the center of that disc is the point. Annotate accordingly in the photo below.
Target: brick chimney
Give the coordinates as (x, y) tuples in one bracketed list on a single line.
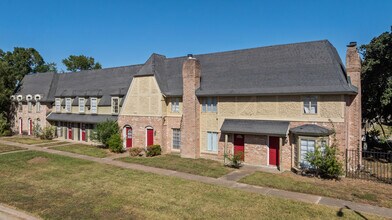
[(190, 123), (354, 117)]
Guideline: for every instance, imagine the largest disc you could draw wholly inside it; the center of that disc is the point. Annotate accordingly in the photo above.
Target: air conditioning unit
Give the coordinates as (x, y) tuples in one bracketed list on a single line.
[(37, 97), (19, 98), (29, 97)]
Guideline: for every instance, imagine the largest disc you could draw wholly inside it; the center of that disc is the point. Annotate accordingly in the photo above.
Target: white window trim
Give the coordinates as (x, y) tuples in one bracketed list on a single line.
[(38, 107), (68, 104), (118, 105), (94, 106), (29, 107), (57, 104), (82, 108), (309, 104), (175, 149), (175, 105), (208, 104), (217, 142)]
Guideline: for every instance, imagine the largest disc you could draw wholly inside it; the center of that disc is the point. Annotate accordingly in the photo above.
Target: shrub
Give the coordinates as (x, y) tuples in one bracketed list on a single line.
[(4, 127), (47, 133), (153, 150), (103, 131), (135, 151), (37, 130), (325, 162), (235, 159), (115, 143)]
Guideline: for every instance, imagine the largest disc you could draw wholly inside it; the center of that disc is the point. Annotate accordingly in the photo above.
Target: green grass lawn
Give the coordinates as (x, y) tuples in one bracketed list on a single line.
[(53, 144), (27, 140), (58, 187), (379, 194), (84, 149), (200, 166), (8, 148)]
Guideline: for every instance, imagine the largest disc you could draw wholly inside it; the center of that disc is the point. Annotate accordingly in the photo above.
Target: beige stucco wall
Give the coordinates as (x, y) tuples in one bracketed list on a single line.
[(144, 98), (168, 106)]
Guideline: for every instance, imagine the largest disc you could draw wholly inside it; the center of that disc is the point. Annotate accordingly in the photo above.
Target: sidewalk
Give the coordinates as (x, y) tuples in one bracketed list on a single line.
[(9, 213), (226, 181)]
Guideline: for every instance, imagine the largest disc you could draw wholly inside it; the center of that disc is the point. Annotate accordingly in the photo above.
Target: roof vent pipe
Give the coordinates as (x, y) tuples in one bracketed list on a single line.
[(352, 44), (190, 56)]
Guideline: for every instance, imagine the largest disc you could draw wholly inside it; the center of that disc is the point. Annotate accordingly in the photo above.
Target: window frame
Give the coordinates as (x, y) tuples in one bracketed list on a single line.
[(82, 108), (94, 106), (308, 102), (317, 143), (210, 104), (57, 104), (68, 105), (113, 106), (176, 138), (175, 105), (212, 137)]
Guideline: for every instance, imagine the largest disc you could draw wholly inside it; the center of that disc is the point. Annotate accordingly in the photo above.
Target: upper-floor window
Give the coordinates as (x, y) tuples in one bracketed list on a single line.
[(81, 105), (29, 107), (209, 104), (115, 105), (175, 105), (58, 105), (310, 105), (93, 105), (68, 105), (38, 107)]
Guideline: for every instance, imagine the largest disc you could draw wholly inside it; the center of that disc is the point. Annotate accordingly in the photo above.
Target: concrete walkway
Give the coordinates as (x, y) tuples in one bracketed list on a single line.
[(9, 213), (226, 182)]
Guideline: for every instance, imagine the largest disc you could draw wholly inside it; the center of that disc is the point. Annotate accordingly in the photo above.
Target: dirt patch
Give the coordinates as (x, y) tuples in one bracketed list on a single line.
[(38, 160)]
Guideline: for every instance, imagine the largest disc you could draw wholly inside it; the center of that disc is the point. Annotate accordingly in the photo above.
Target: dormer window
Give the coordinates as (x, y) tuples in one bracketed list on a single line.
[(81, 105), (93, 104), (310, 104), (68, 105), (58, 104), (175, 105), (115, 105)]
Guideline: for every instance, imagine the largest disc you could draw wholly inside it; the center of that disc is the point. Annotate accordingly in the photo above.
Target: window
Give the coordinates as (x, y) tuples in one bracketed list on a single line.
[(175, 105), (68, 105), (209, 104), (38, 107), (115, 105), (310, 105), (58, 105), (176, 139), (94, 105), (307, 145), (59, 129), (81, 105), (212, 141), (29, 107)]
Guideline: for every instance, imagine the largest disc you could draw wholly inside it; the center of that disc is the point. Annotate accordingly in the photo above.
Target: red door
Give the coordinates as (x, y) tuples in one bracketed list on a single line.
[(274, 151), (129, 137), (70, 132), (239, 145), (150, 137), (83, 127), (31, 127)]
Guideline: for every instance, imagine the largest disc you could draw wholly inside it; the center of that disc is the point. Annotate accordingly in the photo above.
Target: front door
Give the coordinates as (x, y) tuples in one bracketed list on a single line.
[(150, 136), (239, 145), (30, 126), (128, 137), (70, 131), (274, 151)]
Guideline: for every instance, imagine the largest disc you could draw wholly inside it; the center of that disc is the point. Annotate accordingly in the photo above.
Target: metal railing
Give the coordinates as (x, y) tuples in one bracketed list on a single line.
[(369, 165)]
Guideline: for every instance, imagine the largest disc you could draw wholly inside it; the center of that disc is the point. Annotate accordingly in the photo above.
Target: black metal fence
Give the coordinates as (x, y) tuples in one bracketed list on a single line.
[(369, 165)]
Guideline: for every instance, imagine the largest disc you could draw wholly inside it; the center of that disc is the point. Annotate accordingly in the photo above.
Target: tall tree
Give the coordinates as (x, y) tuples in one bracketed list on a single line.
[(377, 80), (14, 65), (81, 62)]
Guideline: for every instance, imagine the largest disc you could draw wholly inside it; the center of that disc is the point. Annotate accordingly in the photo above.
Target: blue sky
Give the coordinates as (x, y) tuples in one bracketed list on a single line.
[(118, 33)]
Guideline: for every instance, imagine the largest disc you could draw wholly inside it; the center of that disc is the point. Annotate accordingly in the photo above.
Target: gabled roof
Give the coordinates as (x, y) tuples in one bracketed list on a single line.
[(38, 83), (300, 68)]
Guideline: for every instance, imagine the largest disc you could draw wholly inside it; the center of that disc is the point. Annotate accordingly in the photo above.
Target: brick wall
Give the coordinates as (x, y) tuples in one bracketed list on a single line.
[(33, 115)]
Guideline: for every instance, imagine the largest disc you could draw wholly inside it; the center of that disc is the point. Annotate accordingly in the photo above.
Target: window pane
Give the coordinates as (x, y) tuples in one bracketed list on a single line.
[(215, 142), (214, 102), (176, 138), (209, 141), (204, 105), (93, 105), (209, 107)]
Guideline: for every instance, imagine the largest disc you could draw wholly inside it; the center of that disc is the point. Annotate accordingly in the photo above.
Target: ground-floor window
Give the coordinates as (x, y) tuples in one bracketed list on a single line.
[(212, 141), (176, 138), (308, 145), (59, 129)]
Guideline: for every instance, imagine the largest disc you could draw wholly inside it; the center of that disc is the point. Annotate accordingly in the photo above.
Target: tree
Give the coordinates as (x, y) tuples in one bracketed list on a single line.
[(14, 65), (103, 131), (377, 80), (81, 62)]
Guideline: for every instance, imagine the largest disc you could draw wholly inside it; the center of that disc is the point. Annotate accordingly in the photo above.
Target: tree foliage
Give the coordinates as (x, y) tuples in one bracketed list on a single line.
[(104, 131), (81, 62), (377, 79), (14, 65)]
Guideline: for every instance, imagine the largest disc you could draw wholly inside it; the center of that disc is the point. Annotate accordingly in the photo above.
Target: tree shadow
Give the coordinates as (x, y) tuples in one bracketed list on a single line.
[(340, 213)]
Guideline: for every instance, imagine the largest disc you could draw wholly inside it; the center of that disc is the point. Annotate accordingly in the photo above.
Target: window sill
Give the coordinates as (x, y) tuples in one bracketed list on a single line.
[(210, 152)]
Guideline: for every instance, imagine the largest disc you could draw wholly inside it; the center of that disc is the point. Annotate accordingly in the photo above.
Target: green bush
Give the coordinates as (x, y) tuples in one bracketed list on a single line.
[(153, 150), (235, 159), (115, 143), (4, 126), (47, 133), (135, 151), (103, 131), (325, 162), (37, 130)]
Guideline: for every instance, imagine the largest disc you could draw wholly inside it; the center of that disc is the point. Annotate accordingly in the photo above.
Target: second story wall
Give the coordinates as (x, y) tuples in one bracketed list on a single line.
[(144, 98)]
